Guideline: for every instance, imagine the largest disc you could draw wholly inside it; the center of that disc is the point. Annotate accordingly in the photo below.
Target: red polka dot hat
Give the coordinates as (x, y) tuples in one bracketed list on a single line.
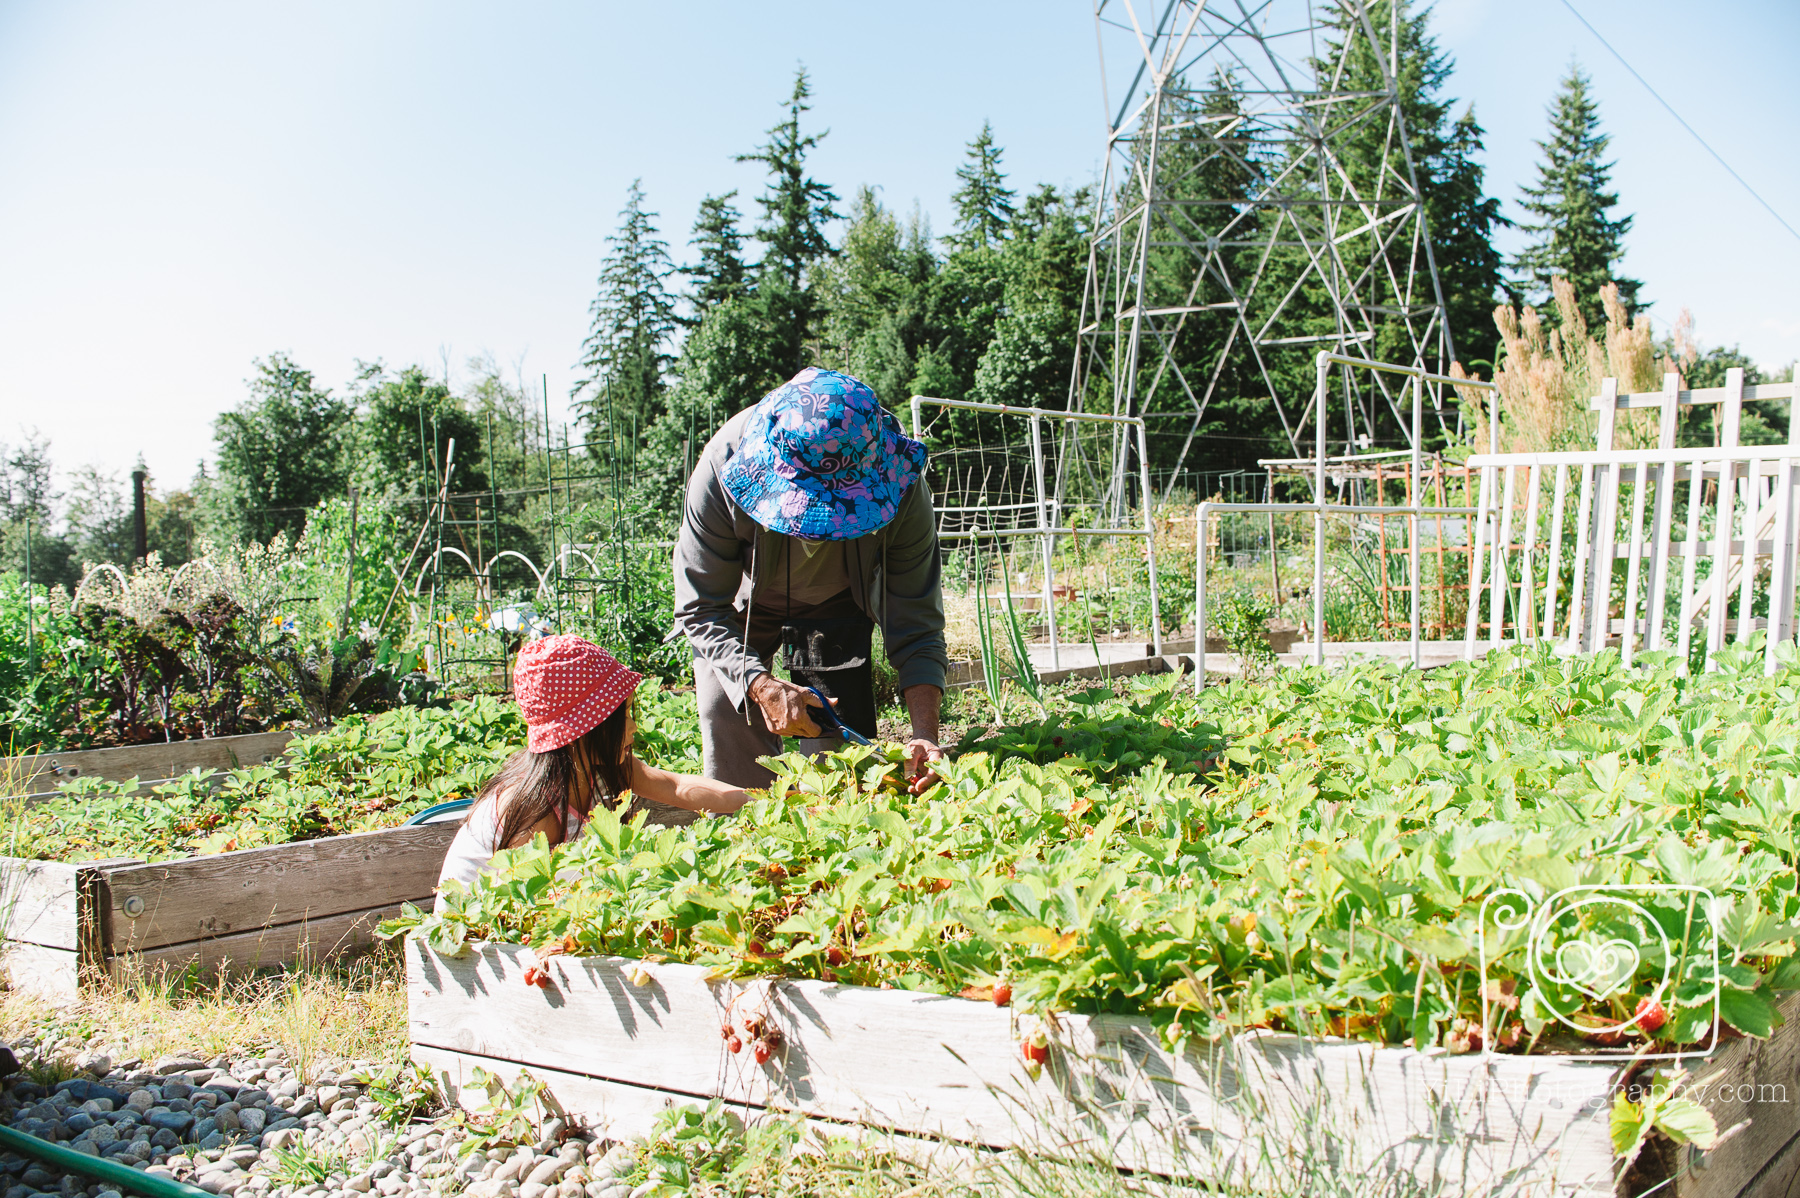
[(565, 687)]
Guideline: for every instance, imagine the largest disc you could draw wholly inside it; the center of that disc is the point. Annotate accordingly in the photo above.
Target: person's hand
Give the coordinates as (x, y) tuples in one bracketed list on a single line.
[(919, 754), (784, 706)]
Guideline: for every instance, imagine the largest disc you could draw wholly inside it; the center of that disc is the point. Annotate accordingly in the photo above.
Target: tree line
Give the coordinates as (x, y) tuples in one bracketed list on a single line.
[(797, 275)]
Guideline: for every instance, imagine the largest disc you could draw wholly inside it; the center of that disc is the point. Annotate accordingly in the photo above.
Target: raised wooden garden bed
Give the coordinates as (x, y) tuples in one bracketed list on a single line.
[(37, 775), (65, 922), (930, 1069)]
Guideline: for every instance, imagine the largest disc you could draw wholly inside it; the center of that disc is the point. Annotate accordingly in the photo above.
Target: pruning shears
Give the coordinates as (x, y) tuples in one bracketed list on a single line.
[(830, 722)]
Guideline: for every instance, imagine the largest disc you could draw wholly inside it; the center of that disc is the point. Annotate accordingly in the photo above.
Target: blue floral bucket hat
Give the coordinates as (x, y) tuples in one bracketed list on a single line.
[(822, 459)]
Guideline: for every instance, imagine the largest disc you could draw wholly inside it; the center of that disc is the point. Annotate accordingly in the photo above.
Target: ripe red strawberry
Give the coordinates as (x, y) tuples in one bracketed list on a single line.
[(535, 976), (835, 956), (1651, 1015), (734, 1044), (1002, 994), (764, 1050), (1037, 1050), (668, 937)]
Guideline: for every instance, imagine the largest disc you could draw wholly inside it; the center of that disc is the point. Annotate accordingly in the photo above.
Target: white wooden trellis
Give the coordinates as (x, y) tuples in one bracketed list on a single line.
[(1620, 505), (960, 519)]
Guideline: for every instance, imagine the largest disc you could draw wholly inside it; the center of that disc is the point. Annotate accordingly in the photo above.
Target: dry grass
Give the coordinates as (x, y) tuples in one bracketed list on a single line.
[(1548, 376), (316, 1014)]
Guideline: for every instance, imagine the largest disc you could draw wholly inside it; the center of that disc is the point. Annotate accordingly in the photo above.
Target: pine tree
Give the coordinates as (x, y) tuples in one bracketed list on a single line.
[(1462, 220), (984, 204), (1574, 235), (796, 209), (633, 322), (720, 274)]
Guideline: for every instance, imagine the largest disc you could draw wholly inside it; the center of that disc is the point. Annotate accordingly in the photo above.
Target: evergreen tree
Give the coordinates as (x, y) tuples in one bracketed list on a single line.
[(1574, 234), (27, 502), (279, 452), (1462, 220), (873, 296), (984, 204), (720, 274), (796, 209), (633, 323)]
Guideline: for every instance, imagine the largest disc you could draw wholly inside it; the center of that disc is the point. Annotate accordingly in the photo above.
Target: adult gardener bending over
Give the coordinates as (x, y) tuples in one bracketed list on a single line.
[(808, 521)]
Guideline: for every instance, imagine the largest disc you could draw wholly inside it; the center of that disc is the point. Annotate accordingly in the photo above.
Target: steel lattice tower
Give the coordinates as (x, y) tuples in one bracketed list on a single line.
[(1259, 202)]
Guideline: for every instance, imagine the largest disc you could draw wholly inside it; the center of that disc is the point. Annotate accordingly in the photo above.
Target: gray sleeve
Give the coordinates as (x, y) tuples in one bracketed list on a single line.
[(709, 568), (912, 625)]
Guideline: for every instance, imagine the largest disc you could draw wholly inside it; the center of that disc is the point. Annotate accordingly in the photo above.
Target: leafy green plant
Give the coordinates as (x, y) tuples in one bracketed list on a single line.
[(1314, 853), (1241, 619), (303, 1164), (510, 1114)]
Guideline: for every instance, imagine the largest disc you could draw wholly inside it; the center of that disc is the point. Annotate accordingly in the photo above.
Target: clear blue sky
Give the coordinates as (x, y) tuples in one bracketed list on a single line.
[(190, 186)]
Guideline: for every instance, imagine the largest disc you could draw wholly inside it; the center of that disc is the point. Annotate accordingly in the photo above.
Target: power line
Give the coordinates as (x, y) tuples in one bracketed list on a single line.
[(1671, 111)]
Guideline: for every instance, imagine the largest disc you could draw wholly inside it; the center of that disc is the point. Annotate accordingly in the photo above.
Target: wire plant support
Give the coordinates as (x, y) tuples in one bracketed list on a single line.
[(1044, 487), (1416, 380)]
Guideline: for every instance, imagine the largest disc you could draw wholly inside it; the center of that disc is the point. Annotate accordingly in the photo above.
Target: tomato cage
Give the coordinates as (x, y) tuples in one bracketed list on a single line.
[(1005, 474), (1327, 469)]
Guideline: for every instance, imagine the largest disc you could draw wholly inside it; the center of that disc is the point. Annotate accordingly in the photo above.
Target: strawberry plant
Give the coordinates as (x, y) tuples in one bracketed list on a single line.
[(364, 773), (1315, 853)]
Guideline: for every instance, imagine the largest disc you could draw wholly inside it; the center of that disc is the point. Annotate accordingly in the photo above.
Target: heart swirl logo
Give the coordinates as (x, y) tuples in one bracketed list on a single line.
[(1596, 968)]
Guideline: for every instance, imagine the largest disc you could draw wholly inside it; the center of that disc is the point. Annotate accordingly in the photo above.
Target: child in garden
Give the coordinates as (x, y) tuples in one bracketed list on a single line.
[(576, 699)]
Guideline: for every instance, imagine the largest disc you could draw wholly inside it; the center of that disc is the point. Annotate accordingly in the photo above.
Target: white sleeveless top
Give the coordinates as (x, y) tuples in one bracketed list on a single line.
[(474, 845)]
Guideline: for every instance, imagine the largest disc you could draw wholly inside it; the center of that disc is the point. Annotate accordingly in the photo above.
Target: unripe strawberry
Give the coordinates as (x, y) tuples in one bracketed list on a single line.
[(1651, 1014), (1002, 994)]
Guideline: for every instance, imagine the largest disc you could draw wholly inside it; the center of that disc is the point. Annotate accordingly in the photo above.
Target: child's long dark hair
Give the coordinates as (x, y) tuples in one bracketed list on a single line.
[(531, 786)]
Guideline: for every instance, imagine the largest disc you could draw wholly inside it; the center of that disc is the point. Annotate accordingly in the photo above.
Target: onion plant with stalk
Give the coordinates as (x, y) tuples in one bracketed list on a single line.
[(1023, 672)]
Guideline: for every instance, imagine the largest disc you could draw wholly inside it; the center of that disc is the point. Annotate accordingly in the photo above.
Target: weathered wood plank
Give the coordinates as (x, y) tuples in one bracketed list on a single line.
[(1780, 1178), (41, 772), (38, 903), (617, 1110), (174, 902), (949, 1068), (285, 944), (52, 973), (1757, 1081)]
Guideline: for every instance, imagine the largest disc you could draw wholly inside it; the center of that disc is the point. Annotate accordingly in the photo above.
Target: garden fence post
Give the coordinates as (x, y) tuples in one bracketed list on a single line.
[(1045, 539), (1320, 364), (1415, 498), (350, 565), (1200, 513), (1149, 536)]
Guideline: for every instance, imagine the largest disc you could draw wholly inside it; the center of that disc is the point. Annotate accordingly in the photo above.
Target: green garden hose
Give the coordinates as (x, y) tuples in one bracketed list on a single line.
[(99, 1168)]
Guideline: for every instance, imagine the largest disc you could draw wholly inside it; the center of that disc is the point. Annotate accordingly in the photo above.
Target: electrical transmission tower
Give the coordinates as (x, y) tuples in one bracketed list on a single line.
[(1260, 202)]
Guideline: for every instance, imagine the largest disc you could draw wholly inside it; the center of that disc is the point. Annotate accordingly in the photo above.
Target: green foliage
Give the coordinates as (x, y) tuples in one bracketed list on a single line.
[(1240, 619), (365, 773), (1311, 853), (632, 320), (509, 1115), (279, 452), (720, 274), (984, 204), (403, 438), (1574, 235)]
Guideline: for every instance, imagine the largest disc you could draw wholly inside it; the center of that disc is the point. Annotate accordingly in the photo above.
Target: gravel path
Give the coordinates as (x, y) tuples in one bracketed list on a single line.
[(249, 1127)]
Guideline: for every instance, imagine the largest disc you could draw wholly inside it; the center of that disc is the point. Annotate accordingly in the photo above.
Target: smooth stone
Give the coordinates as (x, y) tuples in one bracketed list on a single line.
[(165, 1138), (86, 1147), (546, 1171), (170, 1065), (281, 1137), (252, 1120), (175, 1121), (103, 1134), (287, 1089), (79, 1123), (97, 1106), (141, 1100), (211, 1141), (533, 1189), (205, 1127)]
